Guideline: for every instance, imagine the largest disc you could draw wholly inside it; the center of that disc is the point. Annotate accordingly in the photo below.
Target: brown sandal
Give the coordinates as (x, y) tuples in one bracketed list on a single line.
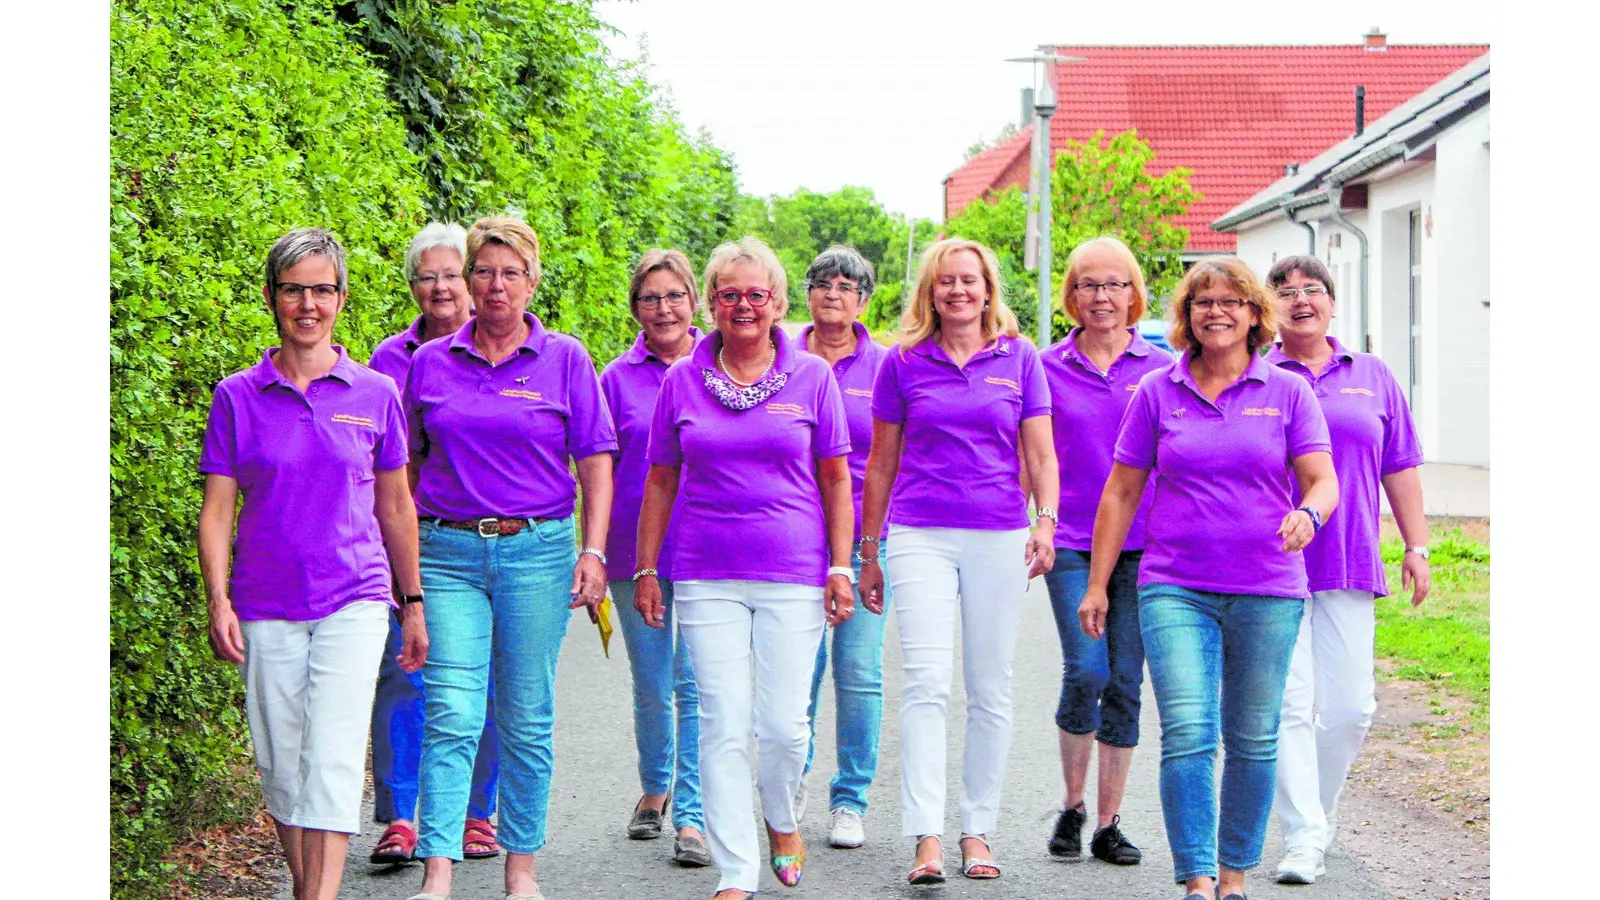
[(479, 833)]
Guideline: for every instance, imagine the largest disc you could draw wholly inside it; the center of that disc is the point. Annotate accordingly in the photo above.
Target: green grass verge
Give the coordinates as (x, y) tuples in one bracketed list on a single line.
[(1446, 640)]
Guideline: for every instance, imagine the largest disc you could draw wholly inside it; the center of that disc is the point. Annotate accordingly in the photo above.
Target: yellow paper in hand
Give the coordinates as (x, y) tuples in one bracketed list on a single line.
[(603, 622)]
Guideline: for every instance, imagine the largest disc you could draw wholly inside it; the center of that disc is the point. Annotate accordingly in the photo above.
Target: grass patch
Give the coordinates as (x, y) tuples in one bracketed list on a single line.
[(1445, 641)]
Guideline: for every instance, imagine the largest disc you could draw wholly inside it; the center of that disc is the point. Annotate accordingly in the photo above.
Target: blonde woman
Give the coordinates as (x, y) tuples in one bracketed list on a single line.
[(952, 405)]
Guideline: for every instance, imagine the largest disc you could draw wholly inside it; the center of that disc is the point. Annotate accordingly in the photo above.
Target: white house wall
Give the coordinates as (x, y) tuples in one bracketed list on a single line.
[(1461, 228)]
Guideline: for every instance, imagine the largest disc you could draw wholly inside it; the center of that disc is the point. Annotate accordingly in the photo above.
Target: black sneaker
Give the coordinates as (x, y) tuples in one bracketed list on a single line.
[(1067, 840), (1111, 845)]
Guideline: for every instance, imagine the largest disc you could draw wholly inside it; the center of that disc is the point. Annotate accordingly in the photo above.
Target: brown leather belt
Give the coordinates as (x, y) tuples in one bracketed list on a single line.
[(488, 526)]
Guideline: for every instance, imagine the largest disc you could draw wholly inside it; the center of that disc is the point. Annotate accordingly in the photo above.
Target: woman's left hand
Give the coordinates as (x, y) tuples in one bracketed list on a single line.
[(1041, 553), (1297, 530), (838, 599), (413, 638), (588, 585), (1417, 575)]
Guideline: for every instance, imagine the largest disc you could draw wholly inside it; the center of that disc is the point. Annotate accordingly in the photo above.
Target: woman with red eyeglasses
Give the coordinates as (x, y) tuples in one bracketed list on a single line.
[(749, 460)]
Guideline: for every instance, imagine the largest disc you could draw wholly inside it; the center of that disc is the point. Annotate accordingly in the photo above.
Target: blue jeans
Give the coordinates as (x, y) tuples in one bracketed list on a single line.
[(1100, 679), (664, 695), (1218, 663), (499, 599), (397, 713), (858, 700)]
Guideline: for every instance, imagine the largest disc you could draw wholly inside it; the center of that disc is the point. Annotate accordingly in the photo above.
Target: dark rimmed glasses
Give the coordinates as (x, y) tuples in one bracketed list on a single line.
[(728, 297), (290, 290)]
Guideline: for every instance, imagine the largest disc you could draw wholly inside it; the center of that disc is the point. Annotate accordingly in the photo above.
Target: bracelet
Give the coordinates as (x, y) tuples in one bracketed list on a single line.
[(1316, 518), (866, 559), (597, 554), (868, 540), (652, 573), (1047, 511), (846, 571)]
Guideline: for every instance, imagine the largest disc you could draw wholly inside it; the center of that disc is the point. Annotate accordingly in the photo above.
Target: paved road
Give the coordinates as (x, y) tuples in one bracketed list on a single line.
[(596, 786)]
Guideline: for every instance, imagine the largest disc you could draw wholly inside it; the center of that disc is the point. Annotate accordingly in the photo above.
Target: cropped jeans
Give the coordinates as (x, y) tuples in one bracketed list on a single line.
[(1100, 679), (858, 700), (499, 600), (1218, 663), (666, 706)]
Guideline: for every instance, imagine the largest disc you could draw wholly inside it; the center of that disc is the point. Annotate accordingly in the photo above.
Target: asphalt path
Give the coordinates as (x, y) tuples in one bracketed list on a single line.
[(596, 785)]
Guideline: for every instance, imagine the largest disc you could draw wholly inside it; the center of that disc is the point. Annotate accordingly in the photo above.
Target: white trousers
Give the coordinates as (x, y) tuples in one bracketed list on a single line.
[(725, 624), (934, 572), (1327, 708), (308, 689)]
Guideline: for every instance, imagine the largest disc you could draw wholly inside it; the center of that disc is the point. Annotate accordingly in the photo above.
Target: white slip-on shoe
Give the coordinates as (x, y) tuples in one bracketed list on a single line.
[(800, 800), (848, 831), (1301, 865)]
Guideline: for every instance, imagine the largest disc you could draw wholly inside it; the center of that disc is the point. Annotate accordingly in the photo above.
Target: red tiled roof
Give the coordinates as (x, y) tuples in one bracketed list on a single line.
[(1233, 115)]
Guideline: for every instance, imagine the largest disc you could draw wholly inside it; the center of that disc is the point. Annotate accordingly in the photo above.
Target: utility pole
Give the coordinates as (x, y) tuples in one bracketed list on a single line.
[(1044, 108)]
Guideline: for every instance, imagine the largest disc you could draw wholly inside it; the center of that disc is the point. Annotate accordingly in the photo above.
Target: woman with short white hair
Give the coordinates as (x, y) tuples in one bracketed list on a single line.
[(748, 459)]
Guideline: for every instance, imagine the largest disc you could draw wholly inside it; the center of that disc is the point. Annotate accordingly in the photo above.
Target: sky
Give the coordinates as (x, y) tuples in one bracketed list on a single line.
[(890, 96)]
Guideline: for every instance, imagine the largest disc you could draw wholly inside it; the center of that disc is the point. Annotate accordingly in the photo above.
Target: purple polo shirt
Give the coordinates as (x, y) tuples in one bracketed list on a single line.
[(1373, 436), (307, 542), (749, 507), (1085, 409), (1223, 477), (631, 384), (958, 459), (393, 354), (497, 440), (856, 374)]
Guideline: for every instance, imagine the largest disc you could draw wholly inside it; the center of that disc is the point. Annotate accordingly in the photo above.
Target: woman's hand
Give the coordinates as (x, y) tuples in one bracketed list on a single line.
[(647, 600), (871, 586), (1092, 612), (1297, 530), (588, 585), (838, 600), (413, 637), (1416, 574), (1041, 553), (227, 640)]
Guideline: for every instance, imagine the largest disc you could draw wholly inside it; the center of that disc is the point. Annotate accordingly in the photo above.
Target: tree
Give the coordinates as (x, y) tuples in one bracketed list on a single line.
[(805, 223), (1097, 187)]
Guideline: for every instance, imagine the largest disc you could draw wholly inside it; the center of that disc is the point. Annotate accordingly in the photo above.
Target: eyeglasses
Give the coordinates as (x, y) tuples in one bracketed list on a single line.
[(428, 281), (844, 289), (509, 276), (758, 297), (1114, 288), (1310, 292), (296, 292), (670, 298), (1228, 303)]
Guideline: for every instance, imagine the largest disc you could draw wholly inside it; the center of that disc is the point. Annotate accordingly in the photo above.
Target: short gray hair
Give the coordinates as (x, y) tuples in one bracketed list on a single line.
[(299, 244), (841, 260), (435, 236)]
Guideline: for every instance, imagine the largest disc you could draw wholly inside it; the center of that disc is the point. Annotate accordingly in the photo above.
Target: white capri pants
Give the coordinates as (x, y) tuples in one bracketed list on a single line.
[(725, 624), (933, 571), (308, 695), (1328, 704)]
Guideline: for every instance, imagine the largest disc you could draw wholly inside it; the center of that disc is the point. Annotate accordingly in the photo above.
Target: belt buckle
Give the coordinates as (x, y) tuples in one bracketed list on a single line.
[(488, 527)]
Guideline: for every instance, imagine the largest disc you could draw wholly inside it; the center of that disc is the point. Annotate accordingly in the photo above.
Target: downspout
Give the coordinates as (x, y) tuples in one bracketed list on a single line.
[(1311, 233), (1335, 198)]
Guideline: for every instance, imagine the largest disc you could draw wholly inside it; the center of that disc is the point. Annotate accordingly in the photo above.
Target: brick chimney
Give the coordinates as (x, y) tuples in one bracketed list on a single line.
[(1377, 41)]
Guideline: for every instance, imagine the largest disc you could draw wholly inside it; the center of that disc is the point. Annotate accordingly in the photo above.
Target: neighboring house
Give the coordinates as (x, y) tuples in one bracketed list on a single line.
[(1235, 116), (1415, 185)]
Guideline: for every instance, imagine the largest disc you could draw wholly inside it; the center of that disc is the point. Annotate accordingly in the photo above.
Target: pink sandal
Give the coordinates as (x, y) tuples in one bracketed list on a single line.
[(397, 846), (479, 833)]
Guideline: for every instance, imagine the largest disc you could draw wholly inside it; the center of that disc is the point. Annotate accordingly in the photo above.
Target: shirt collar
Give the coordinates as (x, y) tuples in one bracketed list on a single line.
[(640, 351), (1277, 357), (863, 338), (413, 335), (533, 343), (1000, 346), (705, 352), (264, 374), (1137, 347), (1257, 370)]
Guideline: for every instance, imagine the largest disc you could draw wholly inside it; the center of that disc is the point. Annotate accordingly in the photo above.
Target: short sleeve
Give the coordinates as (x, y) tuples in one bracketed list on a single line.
[(888, 404), (1401, 448), (832, 437), (1136, 437), (665, 448), (1305, 427), (1035, 387), (590, 429), (389, 452), (411, 408), (218, 449)]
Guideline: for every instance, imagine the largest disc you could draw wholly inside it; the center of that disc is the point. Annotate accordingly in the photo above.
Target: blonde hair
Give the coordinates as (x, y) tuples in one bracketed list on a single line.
[(921, 320), (1115, 248), (508, 232), (658, 260), (745, 250), (1233, 274)]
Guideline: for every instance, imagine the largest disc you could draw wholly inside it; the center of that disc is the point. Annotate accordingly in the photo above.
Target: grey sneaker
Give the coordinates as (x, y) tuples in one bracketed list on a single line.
[(1301, 865), (848, 832)]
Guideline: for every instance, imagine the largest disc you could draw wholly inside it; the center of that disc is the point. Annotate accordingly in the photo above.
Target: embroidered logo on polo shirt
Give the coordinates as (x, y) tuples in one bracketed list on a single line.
[(526, 395), (1357, 391), (1134, 386), (786, 409), (1178, 413), (347, 419), (858, 392), (1262, 411), (1005, 381)]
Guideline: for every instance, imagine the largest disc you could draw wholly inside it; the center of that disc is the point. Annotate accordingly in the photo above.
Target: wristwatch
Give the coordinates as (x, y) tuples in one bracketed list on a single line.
[(408, 599), (1420, 551), (594, 553)]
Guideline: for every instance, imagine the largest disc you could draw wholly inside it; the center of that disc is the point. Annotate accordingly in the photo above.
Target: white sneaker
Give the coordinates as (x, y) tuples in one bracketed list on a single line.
[(800, 800), (1301, 865), (847, 832)]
